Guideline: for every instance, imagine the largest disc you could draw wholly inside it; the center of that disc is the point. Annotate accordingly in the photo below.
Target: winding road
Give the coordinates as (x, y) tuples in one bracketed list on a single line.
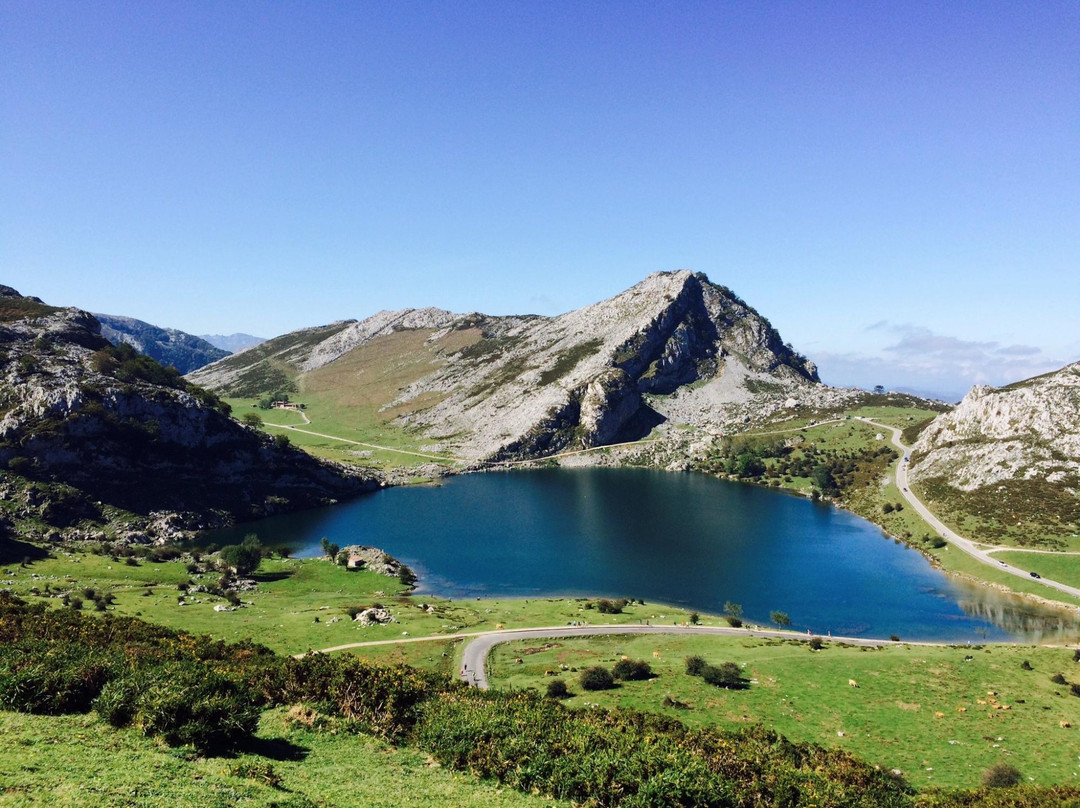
[(960, 542), (474, 659)]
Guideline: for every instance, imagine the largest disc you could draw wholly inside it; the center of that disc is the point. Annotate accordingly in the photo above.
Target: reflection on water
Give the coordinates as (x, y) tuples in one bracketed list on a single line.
[(1025, 621), (683, 539)]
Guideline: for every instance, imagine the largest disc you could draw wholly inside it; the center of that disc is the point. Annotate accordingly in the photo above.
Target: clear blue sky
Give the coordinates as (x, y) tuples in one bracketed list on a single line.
[(896, 185)]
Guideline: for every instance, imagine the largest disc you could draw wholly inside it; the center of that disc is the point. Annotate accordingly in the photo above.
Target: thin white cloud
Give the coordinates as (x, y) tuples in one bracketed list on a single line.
[(944, 365)]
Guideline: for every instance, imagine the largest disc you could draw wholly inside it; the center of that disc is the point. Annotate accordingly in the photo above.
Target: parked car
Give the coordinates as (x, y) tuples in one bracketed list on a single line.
[(1034, 575)]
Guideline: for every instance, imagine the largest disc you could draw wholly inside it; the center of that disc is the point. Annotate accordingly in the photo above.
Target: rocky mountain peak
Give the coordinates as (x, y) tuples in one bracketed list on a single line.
[(673, 347)]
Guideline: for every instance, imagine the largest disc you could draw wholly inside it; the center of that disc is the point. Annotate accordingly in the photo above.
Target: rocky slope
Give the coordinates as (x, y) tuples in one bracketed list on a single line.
[(1011, 454), (183, 351), (675, 347), (99, 426), (1027, 430)]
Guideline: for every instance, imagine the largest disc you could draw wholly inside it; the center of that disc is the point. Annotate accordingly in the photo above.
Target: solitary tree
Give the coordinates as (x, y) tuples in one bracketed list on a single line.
[(329, 548), (781, 619), (243, 557), (251, 419)]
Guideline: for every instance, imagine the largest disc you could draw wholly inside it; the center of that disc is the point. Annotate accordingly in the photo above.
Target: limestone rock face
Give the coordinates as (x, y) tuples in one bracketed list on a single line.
[(673, 347), (1026, 430), (132, 434)]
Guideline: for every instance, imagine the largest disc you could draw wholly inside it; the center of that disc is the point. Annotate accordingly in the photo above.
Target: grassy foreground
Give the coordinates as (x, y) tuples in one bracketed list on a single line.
[(926, 710), (903, 714), (76, 761)]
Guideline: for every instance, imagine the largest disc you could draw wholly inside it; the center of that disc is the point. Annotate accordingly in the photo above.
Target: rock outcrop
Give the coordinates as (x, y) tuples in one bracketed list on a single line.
[(119, 430), (1028, 430)]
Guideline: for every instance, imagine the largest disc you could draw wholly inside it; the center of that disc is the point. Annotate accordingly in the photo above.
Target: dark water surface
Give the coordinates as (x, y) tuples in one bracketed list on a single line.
[(684, 539)]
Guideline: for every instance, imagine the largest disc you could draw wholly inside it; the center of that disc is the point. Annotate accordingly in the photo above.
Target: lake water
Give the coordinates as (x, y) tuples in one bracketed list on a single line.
[(684, 539)]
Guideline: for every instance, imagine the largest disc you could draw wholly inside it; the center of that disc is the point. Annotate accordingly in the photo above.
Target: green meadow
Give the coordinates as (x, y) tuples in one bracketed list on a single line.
[(940, 714), (79, 761)]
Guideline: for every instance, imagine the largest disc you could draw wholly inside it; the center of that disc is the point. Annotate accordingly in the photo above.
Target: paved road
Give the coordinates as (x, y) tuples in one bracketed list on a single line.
[(474, 659), (960, 542)]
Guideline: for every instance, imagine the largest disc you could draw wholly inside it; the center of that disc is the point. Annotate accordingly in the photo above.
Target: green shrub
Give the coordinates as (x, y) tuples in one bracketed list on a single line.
[(727, 675), (557, 689), (695, 665), (597, 678), (1001, 775), (52, 681), (184, 703), (632, 670)]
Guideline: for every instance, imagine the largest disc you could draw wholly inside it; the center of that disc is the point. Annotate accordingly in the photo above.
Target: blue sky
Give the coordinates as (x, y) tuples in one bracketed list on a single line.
[(896, 185)]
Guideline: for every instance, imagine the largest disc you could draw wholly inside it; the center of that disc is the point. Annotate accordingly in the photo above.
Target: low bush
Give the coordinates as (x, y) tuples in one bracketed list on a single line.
[(597, 678), (695, 665), (557, 689), (184, 703), (1001, 775), (53, 681), (632, 670), (727, 675)]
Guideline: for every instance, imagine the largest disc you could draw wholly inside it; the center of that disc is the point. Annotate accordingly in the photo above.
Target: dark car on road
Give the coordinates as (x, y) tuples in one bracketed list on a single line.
[(1034, 575)]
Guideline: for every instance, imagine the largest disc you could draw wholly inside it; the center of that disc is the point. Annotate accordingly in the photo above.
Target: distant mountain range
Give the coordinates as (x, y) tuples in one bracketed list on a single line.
[(675, 347), (168, 346), (232, 343)]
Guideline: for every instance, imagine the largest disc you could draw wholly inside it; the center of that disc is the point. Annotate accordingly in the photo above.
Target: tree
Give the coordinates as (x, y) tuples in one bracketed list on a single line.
[(243, 557), (694, 618), (329, 548), (282, 441), (251, 419), (822, 478), (733, 614), (748, 464), (879, 389), (780, 619)]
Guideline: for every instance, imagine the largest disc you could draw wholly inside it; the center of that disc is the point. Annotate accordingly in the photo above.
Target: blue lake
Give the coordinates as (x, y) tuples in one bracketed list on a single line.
[(684, 539)]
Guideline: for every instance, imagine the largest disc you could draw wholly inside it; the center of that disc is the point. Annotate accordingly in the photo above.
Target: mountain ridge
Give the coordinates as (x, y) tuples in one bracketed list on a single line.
[(674, 346), (169, 346)]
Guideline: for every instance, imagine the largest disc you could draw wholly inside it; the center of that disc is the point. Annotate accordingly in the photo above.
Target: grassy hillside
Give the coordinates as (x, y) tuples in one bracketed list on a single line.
[(903, 714)]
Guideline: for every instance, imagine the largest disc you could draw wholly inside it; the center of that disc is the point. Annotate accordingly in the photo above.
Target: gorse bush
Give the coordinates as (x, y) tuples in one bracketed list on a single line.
[(185, 703)]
